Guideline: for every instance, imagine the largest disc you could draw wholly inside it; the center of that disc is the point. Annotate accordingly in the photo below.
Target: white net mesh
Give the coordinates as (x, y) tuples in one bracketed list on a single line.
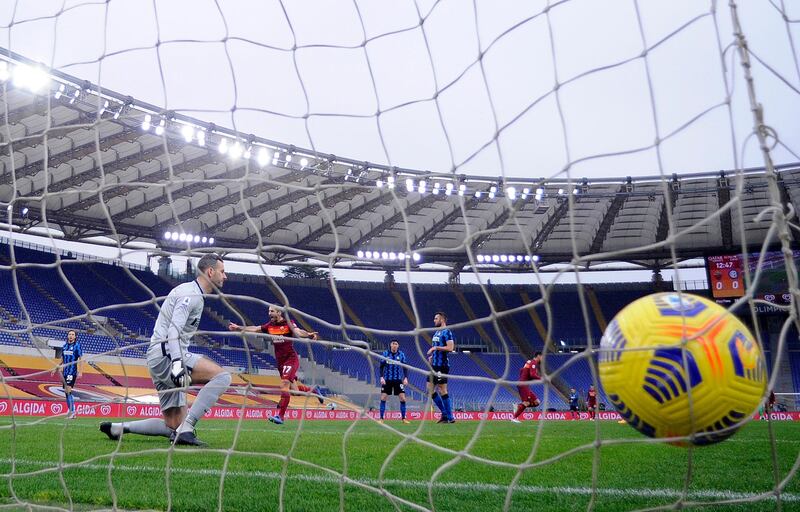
[(550, 96)]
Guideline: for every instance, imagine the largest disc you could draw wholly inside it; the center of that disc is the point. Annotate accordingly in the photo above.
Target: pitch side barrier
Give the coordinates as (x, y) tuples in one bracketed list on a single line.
[(40, 408)]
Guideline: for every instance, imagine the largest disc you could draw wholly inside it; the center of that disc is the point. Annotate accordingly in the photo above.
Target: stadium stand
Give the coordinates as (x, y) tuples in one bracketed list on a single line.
[(134, 293)]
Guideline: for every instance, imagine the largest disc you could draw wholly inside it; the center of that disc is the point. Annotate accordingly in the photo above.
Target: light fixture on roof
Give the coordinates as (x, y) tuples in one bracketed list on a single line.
[(390, 181), (511, 193), (416, 256), (527, 258), (401, 256), (392, 256), (60, 91), (535, 257), (409, 185), (304, 162), (495, 258), (461, 189), (480, 258), (197, 239), (201, 137), (33, 78), (236, 151), (422, 185), (187, 132), (378, 183), (223, 146), (146, 123), (248, 153), (204, 239), (368, 255), (160, 127), (503, 258), (289, 157), (182, 237), (478, 194), (263, 157), (211, 241), (448, 188), (561, 191), (360, 254)]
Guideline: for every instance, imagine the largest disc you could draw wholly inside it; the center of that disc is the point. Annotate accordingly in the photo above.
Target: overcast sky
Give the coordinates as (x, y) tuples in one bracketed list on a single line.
[(370, 81), (490, 87)]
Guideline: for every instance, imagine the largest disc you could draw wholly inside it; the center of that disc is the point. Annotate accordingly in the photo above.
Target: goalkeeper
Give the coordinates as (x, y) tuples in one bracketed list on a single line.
[(173, 368)]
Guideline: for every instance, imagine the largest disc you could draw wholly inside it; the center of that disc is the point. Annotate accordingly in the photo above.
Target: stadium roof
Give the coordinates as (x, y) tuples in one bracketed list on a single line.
[(94, 162)]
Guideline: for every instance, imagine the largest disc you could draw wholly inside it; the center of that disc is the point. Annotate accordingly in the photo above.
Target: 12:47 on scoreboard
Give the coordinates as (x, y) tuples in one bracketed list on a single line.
[(725, 273)]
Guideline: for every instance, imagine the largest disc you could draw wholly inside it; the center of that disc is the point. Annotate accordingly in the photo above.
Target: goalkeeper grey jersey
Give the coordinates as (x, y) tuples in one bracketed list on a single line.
[(178, 319)]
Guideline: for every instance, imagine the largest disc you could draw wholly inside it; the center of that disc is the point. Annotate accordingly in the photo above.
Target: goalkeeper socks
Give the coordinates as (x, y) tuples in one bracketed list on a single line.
[(283, 404), (148, 427), (383, 407), (438, 401), (403, 410), (448, 409), (205, 399), (520, 410), (70, 403)]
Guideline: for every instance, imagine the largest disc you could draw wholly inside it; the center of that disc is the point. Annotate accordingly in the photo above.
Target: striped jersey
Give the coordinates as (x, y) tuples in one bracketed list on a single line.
[(573, 399), (440, 339), (390, 367), (69, 357)]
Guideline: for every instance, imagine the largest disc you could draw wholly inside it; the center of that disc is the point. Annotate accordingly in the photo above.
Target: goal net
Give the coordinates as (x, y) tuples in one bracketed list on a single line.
[(526, 170)]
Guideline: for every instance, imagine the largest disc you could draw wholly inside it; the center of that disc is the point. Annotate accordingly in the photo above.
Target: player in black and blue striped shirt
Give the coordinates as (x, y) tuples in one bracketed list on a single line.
[(394, 377), (443, 344), (70, 356)]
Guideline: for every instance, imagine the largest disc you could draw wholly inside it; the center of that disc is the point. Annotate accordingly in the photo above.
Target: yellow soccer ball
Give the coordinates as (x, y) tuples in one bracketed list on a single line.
[(680, 365)]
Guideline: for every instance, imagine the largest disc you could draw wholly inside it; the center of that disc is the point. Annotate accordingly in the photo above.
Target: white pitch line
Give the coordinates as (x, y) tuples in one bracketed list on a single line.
[(308, 429), (706, 494)]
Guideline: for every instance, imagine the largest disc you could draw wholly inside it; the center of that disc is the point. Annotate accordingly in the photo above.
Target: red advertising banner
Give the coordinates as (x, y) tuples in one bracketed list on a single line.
[(119, 410)]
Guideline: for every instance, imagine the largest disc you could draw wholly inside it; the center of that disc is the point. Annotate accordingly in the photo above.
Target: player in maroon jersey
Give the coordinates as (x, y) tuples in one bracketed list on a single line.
[(591, 402), (768, 408), (288, 361), (530, 371)]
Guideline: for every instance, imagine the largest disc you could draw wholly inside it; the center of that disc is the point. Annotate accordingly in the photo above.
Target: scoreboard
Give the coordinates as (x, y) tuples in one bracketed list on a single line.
[(725, 276)]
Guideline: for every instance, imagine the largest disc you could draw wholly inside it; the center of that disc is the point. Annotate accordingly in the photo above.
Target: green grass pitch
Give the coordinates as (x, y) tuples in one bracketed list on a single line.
[(388, 467)]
